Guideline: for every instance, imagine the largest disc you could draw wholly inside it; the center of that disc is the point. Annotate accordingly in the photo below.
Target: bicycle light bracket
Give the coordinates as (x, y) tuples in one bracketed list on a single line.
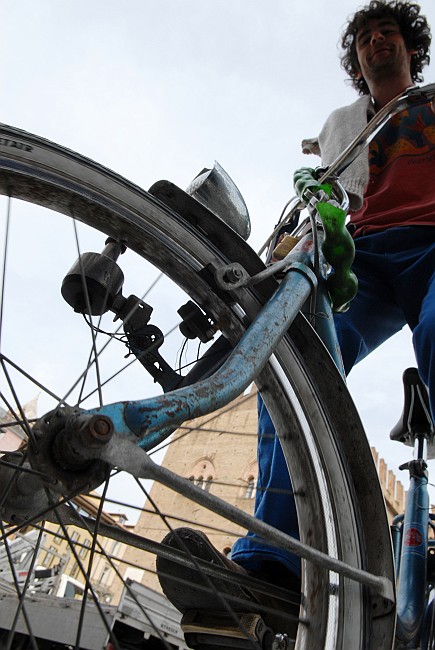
[(234, 276)]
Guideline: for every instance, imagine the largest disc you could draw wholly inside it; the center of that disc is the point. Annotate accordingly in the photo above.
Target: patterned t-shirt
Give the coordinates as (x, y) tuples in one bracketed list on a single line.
[(401, 189)]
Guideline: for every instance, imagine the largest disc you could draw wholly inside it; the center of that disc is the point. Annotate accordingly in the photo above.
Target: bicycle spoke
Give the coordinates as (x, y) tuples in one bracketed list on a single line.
[(27, 428), (123, 369), (188, 430), (88, 307), (87, 581), (32, 379), (96, 544), (220, 598), (17, 588), (23, 594), (27, 470), (89, 569)]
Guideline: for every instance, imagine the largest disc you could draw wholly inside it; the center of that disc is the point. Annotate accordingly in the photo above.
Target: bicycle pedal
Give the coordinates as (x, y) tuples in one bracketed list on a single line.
[(216, 631)]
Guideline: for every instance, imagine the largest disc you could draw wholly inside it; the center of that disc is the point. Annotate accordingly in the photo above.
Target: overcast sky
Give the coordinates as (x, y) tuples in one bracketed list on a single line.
[(160, 89)]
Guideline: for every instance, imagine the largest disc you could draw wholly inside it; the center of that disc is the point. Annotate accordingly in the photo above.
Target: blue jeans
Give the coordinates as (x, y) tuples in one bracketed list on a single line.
[(396, 274)]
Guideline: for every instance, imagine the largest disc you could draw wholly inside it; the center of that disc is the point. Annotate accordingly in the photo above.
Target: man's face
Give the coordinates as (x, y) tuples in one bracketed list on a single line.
[(381, 50)]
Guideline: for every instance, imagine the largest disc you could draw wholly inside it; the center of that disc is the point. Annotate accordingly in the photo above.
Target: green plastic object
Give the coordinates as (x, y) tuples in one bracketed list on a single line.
[(338, 247), (339, 251), (305, 179)]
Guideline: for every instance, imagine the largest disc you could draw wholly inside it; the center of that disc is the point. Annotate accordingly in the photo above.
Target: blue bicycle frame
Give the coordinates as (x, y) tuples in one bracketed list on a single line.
[(410, 531), (410, 541), (151, 420)]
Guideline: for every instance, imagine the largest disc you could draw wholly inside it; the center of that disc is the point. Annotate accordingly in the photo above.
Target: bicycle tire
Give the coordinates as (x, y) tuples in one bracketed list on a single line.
[(428, 624), (300, 384)]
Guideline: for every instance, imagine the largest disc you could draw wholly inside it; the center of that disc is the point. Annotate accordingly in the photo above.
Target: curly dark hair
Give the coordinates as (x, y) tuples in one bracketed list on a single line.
[(413, 27)]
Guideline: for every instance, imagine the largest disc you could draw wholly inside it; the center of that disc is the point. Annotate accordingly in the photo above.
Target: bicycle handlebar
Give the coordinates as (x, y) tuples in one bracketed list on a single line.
[(414, 96)]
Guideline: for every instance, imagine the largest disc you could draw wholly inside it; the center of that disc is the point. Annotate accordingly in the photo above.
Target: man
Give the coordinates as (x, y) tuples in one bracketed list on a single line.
[(392, 201)]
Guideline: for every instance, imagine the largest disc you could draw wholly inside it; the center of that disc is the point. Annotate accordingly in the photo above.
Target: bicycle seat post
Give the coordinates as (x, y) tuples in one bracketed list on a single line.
[(420, 447), (418, 465)]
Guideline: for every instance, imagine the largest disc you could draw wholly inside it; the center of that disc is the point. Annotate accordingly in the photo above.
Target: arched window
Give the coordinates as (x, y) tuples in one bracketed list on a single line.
[(248, 481), (203, 483), (202, 474), (250, 488)]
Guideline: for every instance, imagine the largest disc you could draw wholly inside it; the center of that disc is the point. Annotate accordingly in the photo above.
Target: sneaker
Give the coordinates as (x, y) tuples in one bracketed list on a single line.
[(229, 607)]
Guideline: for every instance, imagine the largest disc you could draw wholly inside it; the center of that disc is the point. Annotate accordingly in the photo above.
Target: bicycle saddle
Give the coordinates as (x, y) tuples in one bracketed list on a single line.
[(416, 419)]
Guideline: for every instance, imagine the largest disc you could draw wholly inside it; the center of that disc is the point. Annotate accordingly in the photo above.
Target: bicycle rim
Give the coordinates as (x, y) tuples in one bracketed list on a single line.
[(428, 625), (322, 438)]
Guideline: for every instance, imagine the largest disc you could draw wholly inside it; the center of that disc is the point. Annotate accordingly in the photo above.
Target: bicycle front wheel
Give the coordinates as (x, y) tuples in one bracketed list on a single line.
[(49, 351)]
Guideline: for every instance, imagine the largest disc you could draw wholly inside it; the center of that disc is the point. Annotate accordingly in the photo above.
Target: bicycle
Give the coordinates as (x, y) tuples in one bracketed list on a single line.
[(413, 549), (348, 570)]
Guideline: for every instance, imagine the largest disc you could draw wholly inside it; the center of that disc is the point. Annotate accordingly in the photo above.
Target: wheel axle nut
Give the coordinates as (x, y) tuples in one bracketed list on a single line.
[(101, 428), (233, 275)]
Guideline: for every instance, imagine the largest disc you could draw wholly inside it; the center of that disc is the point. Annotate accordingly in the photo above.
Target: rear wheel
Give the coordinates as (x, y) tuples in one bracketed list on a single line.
[(49, 351), (428, 627)]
